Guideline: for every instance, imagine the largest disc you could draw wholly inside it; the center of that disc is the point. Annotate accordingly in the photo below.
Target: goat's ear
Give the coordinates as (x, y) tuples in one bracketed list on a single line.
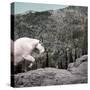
[(40, 42)]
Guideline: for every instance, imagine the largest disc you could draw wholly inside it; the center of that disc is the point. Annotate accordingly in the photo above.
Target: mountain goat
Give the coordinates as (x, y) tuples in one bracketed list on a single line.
[(23, 48)]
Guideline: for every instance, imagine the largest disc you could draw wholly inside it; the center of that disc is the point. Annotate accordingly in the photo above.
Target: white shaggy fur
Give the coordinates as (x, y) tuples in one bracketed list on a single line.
[(23, 48)]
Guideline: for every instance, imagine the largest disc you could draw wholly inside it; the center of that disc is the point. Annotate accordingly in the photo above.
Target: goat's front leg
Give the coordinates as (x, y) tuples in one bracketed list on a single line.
[(30, 65), (29, 58)]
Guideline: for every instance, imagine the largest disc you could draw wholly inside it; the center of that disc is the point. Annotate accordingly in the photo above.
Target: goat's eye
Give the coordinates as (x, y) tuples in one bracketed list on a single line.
[(40, 42)]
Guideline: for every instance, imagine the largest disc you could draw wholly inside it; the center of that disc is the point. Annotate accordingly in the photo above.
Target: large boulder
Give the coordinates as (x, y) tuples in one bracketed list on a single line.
[(70, 66), (47, 76), (80, 60), (80, 66)]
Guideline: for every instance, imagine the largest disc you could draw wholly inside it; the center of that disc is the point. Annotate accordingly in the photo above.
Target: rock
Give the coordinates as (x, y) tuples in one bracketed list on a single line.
[(81, 69), (80, 60), (70, 65), (47, 76), (80, 66)]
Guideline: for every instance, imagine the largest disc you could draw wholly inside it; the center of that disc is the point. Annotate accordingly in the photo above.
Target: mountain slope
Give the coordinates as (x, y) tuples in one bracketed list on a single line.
[(63, 33)]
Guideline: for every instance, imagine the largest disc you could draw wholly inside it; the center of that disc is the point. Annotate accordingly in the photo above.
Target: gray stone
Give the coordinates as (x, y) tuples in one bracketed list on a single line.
[(80, 60), (47, 76), (80, 66)]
